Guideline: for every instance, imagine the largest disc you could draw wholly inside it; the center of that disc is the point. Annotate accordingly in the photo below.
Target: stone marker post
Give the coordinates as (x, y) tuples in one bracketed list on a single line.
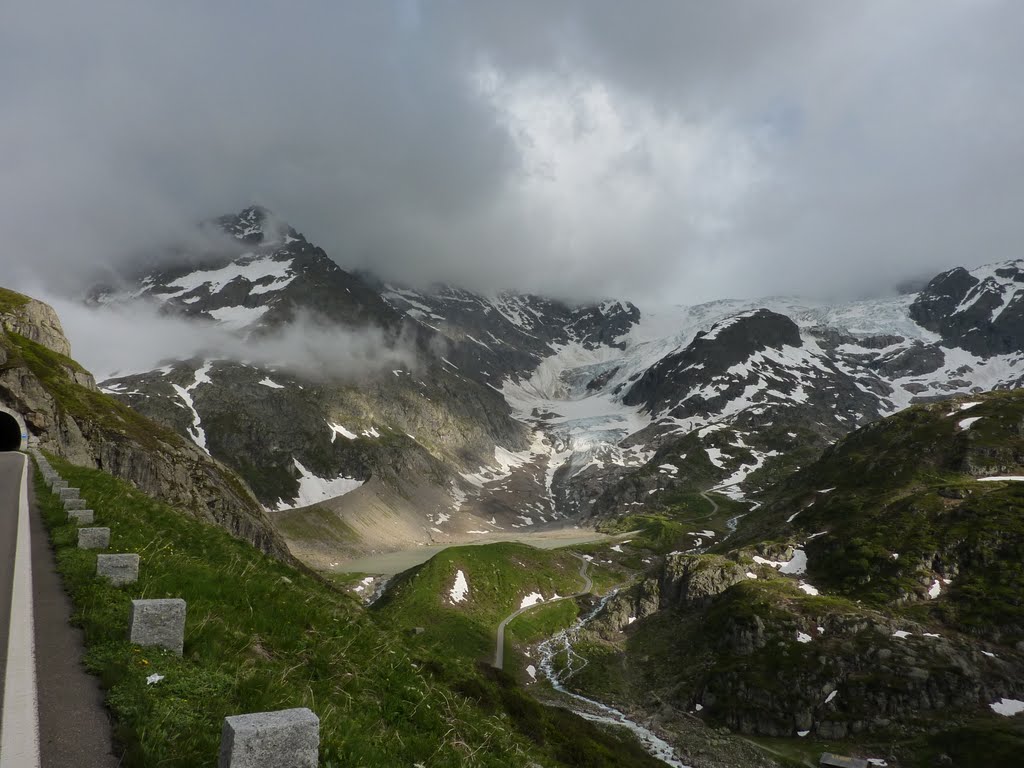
[(120, 569), (81, 517), (158, 622), (93, 538), (74, 504), (68, 493), (289, 738)]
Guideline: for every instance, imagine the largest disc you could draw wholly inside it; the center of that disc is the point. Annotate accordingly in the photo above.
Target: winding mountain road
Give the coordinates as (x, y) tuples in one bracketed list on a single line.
[(499, 648)]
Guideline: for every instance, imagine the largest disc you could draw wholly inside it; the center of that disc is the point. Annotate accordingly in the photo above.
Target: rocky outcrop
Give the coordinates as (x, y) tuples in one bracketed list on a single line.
[(852, 677), (695, 580), (636, 603), (36, 321)]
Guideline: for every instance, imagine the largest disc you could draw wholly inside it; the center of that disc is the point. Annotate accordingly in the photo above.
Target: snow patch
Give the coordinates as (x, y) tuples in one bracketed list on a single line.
[(531, 599), (796, 566), (313, 489), (1008, 707), (460, 588), (196, 431), (272, 384), (237, 318), (337, 429)]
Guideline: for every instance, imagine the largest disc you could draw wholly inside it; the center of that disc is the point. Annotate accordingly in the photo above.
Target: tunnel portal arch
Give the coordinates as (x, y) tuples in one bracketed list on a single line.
[(13, 434)]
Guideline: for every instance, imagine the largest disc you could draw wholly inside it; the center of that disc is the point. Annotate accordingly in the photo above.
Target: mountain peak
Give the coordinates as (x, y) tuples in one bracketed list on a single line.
[(257, 225)]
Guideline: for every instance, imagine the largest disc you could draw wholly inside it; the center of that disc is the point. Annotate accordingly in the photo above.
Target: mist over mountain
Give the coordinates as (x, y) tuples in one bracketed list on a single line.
[(738, 151)]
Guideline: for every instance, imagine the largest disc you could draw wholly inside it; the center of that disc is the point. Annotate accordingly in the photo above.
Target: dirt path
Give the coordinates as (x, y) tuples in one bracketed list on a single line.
[(499, 648)]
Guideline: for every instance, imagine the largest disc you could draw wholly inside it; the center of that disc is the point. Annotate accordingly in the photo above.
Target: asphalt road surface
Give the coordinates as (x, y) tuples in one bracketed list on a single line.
[(52, 710)]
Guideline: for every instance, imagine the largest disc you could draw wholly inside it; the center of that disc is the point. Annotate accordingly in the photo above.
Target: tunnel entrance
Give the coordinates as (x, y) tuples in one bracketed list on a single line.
[(10, 432)]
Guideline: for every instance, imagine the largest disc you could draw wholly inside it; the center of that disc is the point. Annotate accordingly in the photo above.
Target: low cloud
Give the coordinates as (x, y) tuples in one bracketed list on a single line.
[(146, 338)]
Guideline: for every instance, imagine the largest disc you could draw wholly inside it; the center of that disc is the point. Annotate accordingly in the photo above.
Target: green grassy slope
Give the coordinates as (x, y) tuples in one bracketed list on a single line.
[(261, 635), (499, 577), (907, 508)]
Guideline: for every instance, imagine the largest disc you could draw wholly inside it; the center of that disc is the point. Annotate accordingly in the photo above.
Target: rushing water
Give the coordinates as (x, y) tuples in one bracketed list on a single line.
[(592, 710)]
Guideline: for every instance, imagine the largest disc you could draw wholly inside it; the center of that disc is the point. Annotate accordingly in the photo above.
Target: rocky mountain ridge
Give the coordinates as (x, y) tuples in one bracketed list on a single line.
[(521, 411)]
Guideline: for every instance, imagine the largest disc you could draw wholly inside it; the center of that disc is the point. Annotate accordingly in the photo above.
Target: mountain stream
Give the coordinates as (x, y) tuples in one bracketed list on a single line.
[(589, 709)]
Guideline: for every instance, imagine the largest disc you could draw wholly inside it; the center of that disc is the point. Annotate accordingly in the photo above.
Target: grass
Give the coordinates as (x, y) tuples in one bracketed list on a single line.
[(11, 300), (263, 636), (667, 526), (798, 752), (542, 622), (499, 577)]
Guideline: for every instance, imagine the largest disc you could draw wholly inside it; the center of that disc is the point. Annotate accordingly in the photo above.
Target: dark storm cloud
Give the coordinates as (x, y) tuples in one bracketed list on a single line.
[(669, 150)]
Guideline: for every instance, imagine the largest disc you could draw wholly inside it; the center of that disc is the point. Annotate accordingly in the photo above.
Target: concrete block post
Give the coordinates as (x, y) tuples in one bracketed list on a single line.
[(289, 738), (158, 622), (119, 569), (93, 538), (56, 485), (70, 504), (81, 517), (67, 493)]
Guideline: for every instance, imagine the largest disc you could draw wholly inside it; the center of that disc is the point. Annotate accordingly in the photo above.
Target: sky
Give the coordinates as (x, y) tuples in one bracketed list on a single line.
[(666, 150)]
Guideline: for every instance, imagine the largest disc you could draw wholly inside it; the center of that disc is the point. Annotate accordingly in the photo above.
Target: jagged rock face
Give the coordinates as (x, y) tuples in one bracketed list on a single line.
[(711, 355), (982, 312), (758, 359), (69, 417), (632, 605)]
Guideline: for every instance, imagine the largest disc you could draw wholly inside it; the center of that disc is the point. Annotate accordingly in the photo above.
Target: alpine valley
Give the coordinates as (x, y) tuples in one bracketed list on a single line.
[(784, 527)]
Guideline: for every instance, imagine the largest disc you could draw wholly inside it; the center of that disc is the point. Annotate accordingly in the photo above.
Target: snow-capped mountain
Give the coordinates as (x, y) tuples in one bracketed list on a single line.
[(262, 275), (521, 411)]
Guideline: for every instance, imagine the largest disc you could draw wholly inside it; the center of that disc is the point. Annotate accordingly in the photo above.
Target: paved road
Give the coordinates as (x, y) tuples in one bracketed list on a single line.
[(499, 648), (53, 713), (714, 504)]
